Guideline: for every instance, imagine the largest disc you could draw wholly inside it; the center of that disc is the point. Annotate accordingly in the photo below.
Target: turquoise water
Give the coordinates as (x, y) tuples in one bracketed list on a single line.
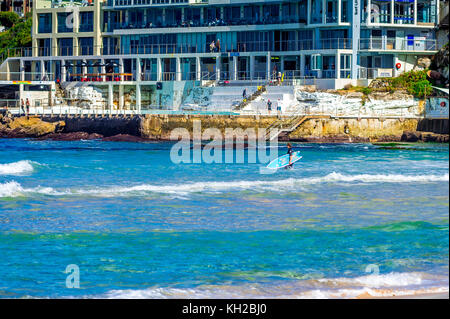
[(348, 219)]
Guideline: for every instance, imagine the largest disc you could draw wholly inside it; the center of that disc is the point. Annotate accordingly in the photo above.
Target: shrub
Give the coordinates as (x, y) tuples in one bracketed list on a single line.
[(366, 90), (421, 88), (414, 82)]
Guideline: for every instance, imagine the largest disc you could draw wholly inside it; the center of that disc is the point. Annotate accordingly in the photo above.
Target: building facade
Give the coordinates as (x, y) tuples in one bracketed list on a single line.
[(122, 45)]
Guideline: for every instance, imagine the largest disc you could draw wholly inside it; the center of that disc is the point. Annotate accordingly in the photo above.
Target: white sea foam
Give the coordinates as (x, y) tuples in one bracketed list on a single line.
[(17, 168), (13, 188), (386, 285)]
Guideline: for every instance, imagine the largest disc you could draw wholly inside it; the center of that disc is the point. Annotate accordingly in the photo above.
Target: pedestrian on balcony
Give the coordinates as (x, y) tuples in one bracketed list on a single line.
[(218, 45), (212, 46)]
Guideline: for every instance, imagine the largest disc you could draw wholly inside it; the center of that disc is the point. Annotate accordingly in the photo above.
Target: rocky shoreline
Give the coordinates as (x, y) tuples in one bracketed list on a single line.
[(56, 130)]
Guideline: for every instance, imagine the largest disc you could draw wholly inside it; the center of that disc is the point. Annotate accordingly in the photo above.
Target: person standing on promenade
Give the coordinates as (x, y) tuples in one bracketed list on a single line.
[(269, 106), (28, 106), (278, 107), (244, 94), (22, 106)]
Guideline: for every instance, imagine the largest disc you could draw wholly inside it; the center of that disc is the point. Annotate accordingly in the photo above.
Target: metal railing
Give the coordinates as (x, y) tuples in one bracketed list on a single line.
[(373, 73), (26, 76), (394, 44), (173, 48)]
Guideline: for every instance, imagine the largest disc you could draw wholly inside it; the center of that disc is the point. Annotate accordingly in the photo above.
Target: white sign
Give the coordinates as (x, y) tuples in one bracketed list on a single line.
[(385, 73)]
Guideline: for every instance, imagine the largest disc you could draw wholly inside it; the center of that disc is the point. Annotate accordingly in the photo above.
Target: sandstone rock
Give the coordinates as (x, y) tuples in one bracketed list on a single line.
[(124, 138), (33, 126), (379, 83), (410, 136), (75, 136), (422, 63), (355, 95)]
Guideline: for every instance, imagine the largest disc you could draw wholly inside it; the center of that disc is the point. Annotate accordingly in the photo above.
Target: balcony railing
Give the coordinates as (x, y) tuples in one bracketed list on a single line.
[(373, 73), (26, 76), (395, 44), (198, 23)]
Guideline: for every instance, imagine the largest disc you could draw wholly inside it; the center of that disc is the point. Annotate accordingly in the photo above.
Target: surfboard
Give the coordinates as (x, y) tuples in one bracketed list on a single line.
[(283, 161)]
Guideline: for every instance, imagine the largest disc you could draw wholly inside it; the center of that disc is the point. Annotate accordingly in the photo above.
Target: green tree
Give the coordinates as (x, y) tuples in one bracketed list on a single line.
[(8, 19), (18, 36)]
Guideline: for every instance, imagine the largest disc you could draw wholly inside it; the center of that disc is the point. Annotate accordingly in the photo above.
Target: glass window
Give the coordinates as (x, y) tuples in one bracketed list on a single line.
[(86, 22), (45, 23), (86, 46), (65, 46), (65, 22)]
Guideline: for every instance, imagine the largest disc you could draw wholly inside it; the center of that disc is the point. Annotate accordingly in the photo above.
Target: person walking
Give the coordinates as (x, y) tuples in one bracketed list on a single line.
[(244, 94)]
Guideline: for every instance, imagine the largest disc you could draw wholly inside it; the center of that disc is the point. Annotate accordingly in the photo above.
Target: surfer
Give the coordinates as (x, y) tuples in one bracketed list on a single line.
[(290, 151)]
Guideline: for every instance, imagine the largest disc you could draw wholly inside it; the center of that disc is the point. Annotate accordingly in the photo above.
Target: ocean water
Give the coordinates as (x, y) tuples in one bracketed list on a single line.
[(349, 220)]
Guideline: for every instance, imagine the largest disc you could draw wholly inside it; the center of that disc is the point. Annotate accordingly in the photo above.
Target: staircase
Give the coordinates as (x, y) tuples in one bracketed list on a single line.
[(285, 126), (253, 96)]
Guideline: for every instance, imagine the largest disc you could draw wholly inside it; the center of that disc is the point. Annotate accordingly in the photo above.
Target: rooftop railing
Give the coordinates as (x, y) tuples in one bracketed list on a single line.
[(48, 4)]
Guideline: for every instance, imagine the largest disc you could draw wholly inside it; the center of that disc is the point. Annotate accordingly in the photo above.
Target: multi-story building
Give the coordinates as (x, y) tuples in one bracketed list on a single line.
[(131, 45), (21, 7)]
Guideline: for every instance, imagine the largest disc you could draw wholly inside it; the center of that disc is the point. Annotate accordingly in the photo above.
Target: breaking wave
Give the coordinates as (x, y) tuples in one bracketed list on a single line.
[(17, 168), (12, 189), (370, 286)]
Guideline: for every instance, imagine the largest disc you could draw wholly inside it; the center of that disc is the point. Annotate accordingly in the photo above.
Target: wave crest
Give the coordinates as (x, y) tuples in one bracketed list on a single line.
[(217, 187), (386, 285), (17, 168)]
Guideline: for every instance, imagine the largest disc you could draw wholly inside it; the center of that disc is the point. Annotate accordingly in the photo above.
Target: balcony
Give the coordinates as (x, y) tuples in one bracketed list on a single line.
[(129, 3), (48, 4), (198, 24), (173, 48), (391, 44)]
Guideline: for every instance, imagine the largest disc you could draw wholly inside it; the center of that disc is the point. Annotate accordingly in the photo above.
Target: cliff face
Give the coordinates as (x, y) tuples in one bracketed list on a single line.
[(160, 126), (314, 130), (359, 129)]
